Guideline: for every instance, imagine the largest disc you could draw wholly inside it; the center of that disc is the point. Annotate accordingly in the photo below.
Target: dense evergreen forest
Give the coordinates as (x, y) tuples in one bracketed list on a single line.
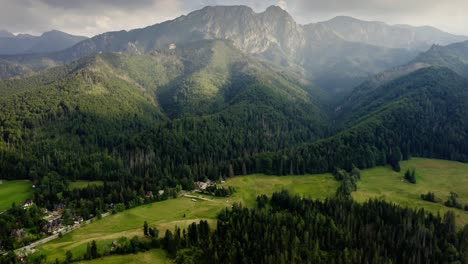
[(288, 229)]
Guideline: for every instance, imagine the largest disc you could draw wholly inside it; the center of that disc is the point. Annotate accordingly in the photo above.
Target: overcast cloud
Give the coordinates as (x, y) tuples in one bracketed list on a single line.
[(91, 17)]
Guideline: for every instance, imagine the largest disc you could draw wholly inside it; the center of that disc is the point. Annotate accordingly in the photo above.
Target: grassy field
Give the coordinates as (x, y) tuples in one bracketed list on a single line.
[(14, 192), (84, 184), (438, 176), (249, 187), (157, 256), (170, 213)]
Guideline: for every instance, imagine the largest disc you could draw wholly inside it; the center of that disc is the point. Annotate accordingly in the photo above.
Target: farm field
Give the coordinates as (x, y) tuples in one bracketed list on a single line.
[(14, 192), (438, 176)]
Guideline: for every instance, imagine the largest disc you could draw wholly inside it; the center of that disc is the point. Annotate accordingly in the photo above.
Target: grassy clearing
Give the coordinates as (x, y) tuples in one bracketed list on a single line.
[(438, 176), (14, 192), (84, 184), (164, 215), (314, 186)]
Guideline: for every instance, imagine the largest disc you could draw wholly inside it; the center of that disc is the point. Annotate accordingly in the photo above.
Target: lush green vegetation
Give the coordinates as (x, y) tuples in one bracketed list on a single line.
[(136, 123), (14, 192), (84, 184), (20, 226), (312, 186), (183, 211), (133, 126), (294, 230), (437, 176)]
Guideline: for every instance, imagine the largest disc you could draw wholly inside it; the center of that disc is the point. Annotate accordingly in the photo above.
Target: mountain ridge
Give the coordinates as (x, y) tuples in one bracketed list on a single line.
[(316, 51), (50, 41)]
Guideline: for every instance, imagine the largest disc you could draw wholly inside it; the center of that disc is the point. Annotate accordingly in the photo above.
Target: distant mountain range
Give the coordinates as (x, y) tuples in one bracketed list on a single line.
[(47, 42), (336, 55), (384, 35)]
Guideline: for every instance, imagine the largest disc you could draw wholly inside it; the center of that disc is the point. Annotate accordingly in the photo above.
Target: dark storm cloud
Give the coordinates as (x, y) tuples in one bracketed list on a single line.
[(90, 17)]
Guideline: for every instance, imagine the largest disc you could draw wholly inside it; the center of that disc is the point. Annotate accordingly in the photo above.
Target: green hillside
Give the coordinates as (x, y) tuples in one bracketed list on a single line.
[(170, 117)]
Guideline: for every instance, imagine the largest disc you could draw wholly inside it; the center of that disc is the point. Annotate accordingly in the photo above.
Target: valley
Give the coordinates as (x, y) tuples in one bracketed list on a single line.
[(332, 141), (438, 176)]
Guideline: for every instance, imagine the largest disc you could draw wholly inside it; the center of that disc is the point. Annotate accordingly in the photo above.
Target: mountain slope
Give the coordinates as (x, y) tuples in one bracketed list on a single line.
[(141, 115), (48, 42), (422, 114)]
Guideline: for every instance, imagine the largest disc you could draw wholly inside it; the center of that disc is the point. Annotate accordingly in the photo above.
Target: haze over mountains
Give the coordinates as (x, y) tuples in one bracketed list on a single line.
[(336, 55), (47, 42)]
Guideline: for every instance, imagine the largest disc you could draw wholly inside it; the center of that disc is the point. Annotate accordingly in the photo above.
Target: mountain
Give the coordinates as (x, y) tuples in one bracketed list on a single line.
[(6, 34), (421, 114), (48, 42), (391, 36), (185, 109), (320, 52), (453, 56)]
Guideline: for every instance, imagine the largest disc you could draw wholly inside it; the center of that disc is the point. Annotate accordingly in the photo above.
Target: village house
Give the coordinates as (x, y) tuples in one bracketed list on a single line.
[(149, 194), (201, 185), (28, 203), (19, 234), (52, 226)]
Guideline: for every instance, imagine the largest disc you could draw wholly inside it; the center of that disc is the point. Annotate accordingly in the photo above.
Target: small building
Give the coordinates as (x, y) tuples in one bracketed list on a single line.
[(201, 185), (172, 46), (28, 203), (161, 192)]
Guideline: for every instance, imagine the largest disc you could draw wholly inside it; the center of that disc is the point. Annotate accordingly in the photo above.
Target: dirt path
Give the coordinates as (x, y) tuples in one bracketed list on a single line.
[(200, 198)]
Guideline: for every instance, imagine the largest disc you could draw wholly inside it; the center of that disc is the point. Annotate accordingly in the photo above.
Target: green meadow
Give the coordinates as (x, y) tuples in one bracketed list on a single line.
[(438, 176), (14, 192)]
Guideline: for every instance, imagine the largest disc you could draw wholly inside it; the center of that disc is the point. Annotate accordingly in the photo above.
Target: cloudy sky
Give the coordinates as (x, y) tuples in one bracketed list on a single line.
[(91, 17)]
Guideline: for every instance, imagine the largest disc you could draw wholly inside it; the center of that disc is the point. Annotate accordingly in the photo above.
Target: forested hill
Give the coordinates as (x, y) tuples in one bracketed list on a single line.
[(422, 114), (177, 113)]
